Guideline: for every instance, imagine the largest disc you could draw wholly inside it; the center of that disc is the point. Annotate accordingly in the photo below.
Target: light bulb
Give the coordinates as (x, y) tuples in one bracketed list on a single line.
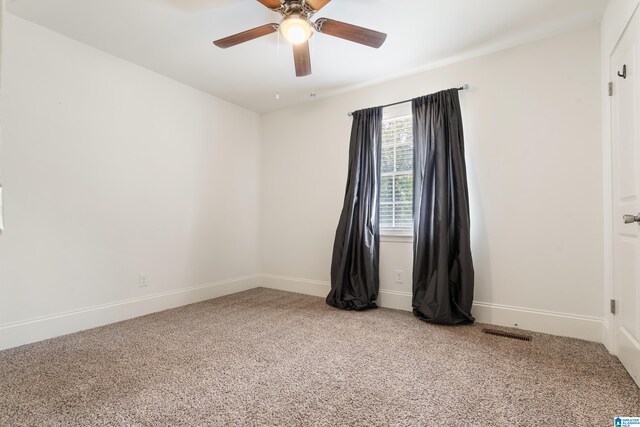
[(295, 29)]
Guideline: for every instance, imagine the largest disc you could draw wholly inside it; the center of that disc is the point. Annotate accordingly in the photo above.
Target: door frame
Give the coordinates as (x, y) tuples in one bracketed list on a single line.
[(1, 56)]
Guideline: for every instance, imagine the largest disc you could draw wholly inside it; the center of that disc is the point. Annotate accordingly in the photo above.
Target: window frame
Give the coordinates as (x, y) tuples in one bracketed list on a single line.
[(396, 112)]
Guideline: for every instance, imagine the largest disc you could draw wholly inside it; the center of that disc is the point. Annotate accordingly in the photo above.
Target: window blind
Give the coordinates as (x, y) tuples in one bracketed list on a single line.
[(396, 186)]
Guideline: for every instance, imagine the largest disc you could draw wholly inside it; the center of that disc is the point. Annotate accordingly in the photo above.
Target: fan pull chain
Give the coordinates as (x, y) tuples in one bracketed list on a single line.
[(313, 93), (278, 66)]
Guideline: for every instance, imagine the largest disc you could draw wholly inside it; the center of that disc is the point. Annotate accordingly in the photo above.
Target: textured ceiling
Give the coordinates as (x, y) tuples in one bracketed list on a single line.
[(173, 37)]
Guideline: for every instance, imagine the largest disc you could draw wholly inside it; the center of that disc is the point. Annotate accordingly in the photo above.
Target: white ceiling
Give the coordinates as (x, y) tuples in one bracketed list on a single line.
[(173, 37)]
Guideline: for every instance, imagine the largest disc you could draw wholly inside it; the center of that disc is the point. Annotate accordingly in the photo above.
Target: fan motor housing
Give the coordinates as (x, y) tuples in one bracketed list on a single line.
[(298, 7)]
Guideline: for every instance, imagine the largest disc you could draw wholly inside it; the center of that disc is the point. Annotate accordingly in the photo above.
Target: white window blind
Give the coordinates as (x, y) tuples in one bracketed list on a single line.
[(396, 186)]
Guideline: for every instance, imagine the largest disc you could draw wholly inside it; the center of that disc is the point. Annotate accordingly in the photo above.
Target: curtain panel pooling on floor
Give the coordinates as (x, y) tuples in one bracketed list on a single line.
[(443, 275), (354, 265)]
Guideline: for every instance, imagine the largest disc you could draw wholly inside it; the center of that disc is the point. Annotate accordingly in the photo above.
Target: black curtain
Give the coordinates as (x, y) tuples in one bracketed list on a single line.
[(354, 265), (442, 264)]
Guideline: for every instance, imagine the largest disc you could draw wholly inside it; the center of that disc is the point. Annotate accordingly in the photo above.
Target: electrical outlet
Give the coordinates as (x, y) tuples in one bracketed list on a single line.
[(143, 280), (399, 276)]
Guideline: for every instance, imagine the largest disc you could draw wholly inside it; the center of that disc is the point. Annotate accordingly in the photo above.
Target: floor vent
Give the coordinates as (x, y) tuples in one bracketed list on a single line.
[(506, 334)]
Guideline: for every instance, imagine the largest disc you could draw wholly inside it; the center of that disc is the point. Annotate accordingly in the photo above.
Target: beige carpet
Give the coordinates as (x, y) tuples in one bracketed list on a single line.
[(266, 357)]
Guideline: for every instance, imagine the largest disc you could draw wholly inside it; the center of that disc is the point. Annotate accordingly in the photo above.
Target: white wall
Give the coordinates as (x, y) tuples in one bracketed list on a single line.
[(111, 170), (533, 134), (614, 21)]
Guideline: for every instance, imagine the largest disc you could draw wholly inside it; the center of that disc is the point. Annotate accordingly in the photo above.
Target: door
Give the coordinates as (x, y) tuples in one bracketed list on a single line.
[(625, 111), (1, 28)]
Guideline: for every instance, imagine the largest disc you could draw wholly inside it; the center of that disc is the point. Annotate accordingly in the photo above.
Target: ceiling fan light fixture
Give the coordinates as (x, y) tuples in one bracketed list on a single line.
[(296, 29)]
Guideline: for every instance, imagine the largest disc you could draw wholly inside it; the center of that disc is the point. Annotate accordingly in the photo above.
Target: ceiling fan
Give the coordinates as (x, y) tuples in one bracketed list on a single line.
[(296, 27)]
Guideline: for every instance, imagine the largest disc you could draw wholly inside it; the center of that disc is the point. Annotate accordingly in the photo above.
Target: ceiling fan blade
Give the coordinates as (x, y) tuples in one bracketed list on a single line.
[(302, 59), (245, 36), (317, 4), (350, 32), (271, 4)]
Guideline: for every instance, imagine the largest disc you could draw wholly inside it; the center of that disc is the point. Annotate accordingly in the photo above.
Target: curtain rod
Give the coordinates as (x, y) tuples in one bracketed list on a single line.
[(463, 87)]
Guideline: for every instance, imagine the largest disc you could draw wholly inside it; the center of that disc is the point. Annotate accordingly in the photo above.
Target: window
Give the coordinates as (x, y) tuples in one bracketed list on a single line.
[(396, 185)]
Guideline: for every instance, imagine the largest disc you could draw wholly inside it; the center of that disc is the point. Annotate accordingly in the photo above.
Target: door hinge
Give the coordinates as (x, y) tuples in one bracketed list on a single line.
[(612, 305), (610, 88)]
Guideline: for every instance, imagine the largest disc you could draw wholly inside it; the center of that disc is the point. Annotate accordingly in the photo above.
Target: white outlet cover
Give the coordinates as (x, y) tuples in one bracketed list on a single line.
[(399, 276), (143, 280)]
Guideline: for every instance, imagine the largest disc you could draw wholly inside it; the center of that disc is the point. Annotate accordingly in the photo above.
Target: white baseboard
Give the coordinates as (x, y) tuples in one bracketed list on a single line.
[(607, 335), (386, 298), (41, 328), (292, 284), (549, 322)]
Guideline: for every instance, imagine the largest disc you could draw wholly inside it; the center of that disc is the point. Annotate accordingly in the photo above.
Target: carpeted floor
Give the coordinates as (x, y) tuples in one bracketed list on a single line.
[(266, 357)]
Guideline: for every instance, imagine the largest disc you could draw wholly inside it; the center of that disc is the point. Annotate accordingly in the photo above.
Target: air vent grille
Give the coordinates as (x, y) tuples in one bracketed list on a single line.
[(504, 334)]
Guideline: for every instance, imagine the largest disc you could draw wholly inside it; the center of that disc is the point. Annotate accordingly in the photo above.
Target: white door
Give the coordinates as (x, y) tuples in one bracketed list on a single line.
[(625, 105), (1, 196)]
